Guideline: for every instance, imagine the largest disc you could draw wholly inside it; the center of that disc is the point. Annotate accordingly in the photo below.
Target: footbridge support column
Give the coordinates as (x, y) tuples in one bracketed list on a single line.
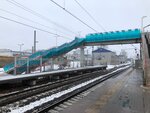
[(146, 58), (82, 58)]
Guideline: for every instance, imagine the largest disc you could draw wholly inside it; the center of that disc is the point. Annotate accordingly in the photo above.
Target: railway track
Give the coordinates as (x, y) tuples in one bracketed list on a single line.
[(53, 88), (25, 81), (17, 95), (50, 105)]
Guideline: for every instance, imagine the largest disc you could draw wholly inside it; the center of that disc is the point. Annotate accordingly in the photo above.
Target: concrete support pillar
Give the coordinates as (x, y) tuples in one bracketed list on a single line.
[(146, 59), (82, 58)]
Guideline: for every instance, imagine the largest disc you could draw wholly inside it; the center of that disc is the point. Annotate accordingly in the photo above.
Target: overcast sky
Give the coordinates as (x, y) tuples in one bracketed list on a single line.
[(111, 14)]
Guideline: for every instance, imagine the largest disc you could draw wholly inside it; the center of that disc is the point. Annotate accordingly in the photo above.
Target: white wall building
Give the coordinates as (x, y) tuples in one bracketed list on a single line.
[(10, 53), (103, 56)]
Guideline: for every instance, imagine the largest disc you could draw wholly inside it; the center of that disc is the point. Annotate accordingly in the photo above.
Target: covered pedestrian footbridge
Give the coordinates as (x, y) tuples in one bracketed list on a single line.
[(106, 38)]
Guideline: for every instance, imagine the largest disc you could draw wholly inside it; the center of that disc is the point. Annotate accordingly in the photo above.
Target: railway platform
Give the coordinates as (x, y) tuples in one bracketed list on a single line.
[(8, 78), (123, 93)]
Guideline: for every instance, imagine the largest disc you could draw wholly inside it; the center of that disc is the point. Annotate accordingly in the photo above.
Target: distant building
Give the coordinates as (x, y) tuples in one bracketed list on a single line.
[(122, 59), (74, 56), (6, 52), (10, 53), (103, 56)]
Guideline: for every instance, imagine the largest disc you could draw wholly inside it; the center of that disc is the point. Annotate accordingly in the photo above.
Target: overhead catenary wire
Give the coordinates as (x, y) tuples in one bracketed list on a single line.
[(90, 16), (39, 15), (73, 16), (32, 27), (27, 19), (24, 18)]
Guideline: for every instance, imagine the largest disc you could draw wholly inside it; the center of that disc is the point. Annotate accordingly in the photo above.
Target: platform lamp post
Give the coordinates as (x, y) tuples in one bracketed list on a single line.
[(142, 19)]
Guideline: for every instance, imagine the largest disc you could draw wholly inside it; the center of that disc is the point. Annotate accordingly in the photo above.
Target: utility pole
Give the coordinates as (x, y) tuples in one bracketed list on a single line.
[(34, 50)]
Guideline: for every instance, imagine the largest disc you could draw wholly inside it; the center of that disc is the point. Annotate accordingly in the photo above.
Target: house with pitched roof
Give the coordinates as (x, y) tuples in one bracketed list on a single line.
[(102, 56)]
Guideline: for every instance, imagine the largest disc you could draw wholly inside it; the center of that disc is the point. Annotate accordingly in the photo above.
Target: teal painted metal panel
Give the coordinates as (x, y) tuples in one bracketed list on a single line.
[(113, 36)]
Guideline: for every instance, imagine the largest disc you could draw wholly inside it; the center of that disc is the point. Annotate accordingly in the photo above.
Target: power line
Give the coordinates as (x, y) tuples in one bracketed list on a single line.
[(32, 26), (38, 15), (73, 15), (90, 16), (23, 18), (27, 19)]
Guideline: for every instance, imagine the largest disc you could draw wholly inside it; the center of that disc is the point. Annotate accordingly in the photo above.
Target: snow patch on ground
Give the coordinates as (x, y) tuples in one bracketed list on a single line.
[(110, 66), (1, 71), (113, 66), (74, 64), (47, 68)]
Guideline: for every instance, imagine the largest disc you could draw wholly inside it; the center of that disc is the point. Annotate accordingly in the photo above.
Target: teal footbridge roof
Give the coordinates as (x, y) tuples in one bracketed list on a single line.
[(113, 36), (34, 59)]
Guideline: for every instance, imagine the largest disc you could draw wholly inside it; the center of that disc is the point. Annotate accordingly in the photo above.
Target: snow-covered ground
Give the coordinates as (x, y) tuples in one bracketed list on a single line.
[(112, 66), (48, 67), (57, 95), (74, 64), (1, 70)]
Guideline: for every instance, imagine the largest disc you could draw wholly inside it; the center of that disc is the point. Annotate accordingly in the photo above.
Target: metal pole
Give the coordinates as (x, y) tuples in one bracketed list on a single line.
[(142, 29), (34, 41)]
